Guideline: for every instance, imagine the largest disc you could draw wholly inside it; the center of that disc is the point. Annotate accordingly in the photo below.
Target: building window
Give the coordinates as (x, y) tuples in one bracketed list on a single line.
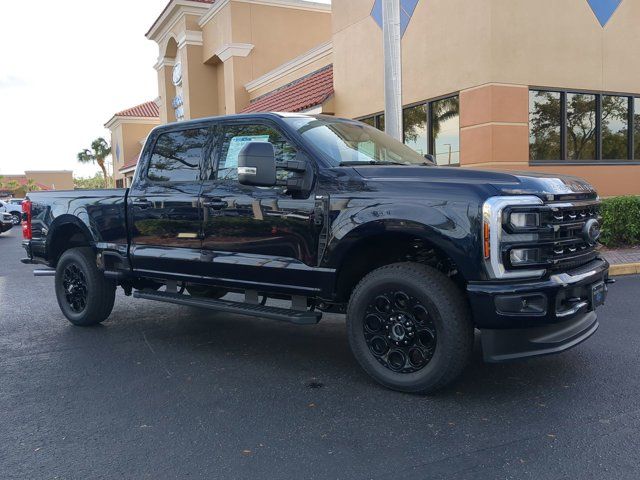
[(430, 128), (119, 183), (414, 121), (445, 130), (615, 127), (545, 121), (583, 127), (636, 128)]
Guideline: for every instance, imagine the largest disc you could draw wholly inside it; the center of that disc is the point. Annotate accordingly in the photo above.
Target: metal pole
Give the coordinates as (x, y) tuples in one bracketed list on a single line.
[(392, 68)]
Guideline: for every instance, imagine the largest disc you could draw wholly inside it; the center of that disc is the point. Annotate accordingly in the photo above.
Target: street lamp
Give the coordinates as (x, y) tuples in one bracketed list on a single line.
[(392, 68)]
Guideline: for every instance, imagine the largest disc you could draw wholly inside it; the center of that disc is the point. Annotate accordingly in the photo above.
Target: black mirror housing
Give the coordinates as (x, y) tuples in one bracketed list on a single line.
[(257, 164)]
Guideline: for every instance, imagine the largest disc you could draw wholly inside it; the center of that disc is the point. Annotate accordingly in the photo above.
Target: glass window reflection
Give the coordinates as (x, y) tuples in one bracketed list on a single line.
[(177, 156), (581, 126), (636, 129), (545, 120), (414, 120), (445, 130), (615, 127)]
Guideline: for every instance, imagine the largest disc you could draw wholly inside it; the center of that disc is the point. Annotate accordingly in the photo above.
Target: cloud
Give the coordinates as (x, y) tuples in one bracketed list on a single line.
[(11, 81)]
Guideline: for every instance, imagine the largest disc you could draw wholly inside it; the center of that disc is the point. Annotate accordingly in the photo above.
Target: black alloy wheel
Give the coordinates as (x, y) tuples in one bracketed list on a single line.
[(75, 286), (400, 332)]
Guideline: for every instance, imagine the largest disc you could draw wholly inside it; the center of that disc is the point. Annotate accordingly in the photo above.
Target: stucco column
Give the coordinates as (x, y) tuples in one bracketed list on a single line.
[(166, 90), (200, 82), (494, 128)]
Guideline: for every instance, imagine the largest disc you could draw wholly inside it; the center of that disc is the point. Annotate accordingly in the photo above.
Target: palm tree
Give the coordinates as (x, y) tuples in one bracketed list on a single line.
[(100, 150), (12, 185), (31, 185)]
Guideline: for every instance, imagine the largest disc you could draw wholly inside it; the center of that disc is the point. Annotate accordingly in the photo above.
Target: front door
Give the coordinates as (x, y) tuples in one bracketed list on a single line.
[(256, 237), (164, 205)]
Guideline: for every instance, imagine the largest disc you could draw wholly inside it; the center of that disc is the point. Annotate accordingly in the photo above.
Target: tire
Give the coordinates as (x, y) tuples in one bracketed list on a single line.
[(16, 218), (84, 295), (434, 342)]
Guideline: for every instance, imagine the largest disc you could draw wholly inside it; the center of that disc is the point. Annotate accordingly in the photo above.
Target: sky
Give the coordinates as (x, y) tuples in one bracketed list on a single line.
[(61, 80), (67, 66)]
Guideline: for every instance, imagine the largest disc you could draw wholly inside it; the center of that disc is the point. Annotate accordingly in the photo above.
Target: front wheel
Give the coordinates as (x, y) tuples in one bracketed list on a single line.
[(409, 327), (16, 218), (84, 295)]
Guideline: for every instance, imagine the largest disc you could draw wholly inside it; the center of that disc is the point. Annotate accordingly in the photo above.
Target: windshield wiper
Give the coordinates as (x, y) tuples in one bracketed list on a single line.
[(350, 163)]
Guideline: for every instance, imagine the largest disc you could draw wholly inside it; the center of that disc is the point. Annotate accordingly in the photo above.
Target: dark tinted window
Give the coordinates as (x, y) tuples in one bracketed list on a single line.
[(636, 129), (615, 127), (545, 120), (177, 156), (414, 120), (581, 126), (445, 130), (371, 121), (237, 136)]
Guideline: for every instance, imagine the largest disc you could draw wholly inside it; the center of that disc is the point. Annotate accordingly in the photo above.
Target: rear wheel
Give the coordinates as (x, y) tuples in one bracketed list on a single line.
[(409, 327), (84, 295)]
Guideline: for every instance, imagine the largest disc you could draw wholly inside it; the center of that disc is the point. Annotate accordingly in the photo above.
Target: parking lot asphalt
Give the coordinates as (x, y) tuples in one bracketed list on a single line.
[(161, 391)]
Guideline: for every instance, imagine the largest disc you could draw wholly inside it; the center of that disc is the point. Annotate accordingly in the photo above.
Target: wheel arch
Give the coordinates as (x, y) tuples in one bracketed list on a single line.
[(375, 244), (65, 232)]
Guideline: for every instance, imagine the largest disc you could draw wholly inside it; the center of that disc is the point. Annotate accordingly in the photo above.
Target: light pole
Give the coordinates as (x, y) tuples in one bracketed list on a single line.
[(392, 68)]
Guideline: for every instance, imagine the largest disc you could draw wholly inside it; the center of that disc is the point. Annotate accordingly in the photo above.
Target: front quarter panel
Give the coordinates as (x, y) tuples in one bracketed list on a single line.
[(447, 217)]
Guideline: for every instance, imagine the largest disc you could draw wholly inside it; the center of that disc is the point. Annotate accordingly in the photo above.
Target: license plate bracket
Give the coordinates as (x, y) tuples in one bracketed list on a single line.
[(598, 294)]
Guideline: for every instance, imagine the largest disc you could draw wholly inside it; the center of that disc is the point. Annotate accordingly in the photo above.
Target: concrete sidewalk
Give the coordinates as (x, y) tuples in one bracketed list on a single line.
[(624, 261)]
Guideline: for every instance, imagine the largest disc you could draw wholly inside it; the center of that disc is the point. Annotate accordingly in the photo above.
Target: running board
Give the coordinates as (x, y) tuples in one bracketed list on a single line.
[(300, 317)]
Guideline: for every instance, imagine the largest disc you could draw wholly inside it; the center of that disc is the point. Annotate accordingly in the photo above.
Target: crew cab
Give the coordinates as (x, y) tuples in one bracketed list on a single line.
[(334, 216)]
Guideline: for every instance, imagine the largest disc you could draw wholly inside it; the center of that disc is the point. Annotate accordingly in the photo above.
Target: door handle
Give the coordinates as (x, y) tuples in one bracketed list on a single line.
[(215, 203), (141, 203)]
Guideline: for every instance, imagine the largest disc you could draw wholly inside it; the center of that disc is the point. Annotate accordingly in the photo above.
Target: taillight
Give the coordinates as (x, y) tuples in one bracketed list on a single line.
[(26, 219)]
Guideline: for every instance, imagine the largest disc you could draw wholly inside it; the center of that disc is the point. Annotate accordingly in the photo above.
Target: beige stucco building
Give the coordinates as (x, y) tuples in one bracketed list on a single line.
[(17, 184), (511, 84)]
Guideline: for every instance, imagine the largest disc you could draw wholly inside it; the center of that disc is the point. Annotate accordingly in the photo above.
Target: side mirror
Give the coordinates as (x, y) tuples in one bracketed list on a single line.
[(257, 165), (430, 158)]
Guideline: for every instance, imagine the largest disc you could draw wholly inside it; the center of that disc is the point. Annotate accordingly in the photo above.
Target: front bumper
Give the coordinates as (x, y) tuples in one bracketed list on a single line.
[(556, 313)]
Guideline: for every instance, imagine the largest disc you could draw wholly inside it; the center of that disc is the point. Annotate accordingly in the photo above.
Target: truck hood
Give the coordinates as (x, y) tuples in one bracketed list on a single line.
[(506, 183)]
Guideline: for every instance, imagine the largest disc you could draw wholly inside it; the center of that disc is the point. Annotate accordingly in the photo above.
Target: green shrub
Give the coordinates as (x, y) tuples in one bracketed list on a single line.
[(620, 221)]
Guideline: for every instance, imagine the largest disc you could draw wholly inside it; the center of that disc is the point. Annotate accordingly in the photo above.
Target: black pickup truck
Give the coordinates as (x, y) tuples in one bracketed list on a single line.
[(332, 215)]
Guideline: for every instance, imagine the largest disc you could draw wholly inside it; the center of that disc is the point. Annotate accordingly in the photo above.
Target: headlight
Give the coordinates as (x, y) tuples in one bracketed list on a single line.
[(524, 219), (493, 231)]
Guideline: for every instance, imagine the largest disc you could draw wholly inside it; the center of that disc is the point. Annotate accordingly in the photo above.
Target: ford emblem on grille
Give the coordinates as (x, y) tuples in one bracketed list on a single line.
[(591, 231)]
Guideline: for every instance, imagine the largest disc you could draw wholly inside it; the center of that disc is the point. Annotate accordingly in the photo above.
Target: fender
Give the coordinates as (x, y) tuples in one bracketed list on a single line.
[(453, 228), (68, 219)]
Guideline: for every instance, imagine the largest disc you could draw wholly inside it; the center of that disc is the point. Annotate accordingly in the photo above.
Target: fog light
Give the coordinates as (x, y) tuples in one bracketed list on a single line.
[(524, 256), (524, 219), (532, 304)]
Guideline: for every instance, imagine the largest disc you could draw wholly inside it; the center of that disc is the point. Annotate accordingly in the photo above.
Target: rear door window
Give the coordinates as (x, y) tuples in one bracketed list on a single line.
[(178, 156)]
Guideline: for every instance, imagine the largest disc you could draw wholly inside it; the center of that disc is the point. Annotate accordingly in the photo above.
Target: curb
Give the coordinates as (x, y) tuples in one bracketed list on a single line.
[(624, 269)]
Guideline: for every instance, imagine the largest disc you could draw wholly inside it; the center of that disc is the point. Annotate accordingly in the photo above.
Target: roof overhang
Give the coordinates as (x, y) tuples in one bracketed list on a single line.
[(173, 12), (118, 120)]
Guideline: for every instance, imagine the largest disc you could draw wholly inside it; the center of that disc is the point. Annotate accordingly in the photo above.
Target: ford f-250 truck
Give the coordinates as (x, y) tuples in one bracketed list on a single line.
[(334, 216)]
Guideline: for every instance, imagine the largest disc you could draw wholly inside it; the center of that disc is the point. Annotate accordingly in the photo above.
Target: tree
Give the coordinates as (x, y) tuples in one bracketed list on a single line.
[(31, 185), (91, 183), (100, 150), (12, 185)]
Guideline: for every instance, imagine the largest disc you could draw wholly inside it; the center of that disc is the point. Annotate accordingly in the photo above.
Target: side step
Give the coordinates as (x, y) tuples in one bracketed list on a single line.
[(300, 317)]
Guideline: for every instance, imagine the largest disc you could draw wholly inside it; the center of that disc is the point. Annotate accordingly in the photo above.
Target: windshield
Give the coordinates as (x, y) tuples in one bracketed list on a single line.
[(348, 142)]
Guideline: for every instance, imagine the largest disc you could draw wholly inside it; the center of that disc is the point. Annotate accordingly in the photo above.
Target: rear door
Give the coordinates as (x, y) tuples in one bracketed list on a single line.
[(164, 203)]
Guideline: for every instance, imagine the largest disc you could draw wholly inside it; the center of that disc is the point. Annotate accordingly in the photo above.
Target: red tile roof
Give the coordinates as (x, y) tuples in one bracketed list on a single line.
[(147, 109), (23, 182), (131, 163), (304, 93)]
